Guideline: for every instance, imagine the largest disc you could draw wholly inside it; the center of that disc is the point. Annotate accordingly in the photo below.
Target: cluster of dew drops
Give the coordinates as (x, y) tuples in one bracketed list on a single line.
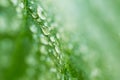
[(48, 38)]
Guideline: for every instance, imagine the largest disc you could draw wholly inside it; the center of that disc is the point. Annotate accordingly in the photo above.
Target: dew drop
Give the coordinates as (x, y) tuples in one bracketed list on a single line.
[(45, 30), (52, 38), (40, 13), (57, 49)]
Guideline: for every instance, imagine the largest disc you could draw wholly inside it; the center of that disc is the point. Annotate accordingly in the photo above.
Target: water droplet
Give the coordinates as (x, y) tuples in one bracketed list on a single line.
[(57, 49), (45, 30), (33, 29), (40, 13), (52, 38)]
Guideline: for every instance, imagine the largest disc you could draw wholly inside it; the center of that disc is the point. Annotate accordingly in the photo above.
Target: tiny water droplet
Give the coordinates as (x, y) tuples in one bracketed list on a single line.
[(45, 30)]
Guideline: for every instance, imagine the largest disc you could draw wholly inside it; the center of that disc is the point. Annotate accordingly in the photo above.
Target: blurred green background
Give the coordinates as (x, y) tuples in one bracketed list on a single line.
[(59, 39)]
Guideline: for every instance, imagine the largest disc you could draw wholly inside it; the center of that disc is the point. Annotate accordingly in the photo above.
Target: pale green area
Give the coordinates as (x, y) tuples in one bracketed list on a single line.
[(59, 39)]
